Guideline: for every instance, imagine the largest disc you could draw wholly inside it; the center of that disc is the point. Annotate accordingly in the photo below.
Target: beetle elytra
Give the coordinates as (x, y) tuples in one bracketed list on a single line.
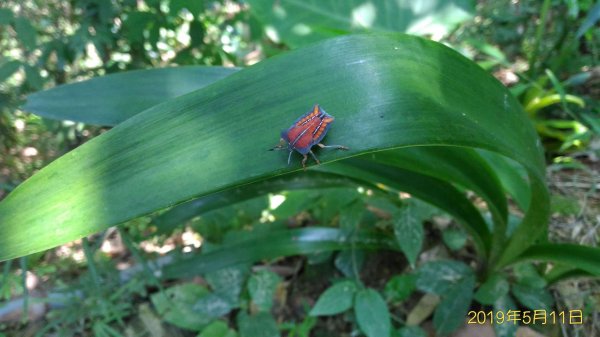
[(306, 132)]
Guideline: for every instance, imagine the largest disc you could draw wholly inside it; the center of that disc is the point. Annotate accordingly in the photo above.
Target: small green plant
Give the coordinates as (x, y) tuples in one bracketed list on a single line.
[(96, 305)]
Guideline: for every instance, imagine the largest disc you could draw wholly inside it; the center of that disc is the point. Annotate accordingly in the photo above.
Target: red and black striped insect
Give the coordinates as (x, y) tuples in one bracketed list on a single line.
[(306, 132)]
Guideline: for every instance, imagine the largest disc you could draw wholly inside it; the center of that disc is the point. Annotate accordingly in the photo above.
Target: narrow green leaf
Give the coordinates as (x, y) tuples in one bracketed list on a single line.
[(463, 167), (259, 325), (306, 180), (336, 299), (432, 190), (372, 314), (304, 328), (439, 276), (261, 287), (191, 146), (512, 177), (26, 33), (275, 244), (452, 310), (111, 99), (561, 272), (409, 233), (582, 257), (492, 290), (590, 20)]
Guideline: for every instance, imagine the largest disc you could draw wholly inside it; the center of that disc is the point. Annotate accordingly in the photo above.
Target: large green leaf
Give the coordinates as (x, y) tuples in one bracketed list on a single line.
[(255, 247), (305, 180), (386, 91), (298, 22), (111, 99)]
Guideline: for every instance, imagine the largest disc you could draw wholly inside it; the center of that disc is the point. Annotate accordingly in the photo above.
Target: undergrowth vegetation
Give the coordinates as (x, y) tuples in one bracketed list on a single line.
[(140, 198)]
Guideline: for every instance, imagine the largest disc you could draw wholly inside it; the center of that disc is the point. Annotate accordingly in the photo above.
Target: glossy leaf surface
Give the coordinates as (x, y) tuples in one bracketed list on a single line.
[(386, 91), (110, 100)]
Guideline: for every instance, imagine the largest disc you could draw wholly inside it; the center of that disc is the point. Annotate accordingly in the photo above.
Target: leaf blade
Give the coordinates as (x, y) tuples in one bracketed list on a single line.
[(372, 313), (143, 165), (110, 100)]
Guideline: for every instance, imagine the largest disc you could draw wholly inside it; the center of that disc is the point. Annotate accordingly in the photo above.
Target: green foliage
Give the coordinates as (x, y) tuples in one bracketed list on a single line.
[(350, 262), (119, 142), (506, 328), (552, 86), (176, 305), (438, 277), (128, 94), (195, 137), (372, 313), (455, 283), (259, 325), (228, 282), (297, 24), (411, 331), (93, 304), (217, 329), (399, 287), (336, 299), (304, 328), (262, 287), (533, 298), (408, 229), (455, 239), (453, 308), (492, 290)]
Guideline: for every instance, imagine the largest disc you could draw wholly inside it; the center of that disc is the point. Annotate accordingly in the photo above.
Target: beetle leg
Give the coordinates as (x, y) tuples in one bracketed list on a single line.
[(290, 158), (316, 159), (339, 147), (304, 162)]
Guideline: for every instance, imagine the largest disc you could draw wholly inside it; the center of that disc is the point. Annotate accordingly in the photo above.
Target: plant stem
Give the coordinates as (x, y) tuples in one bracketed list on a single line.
[(89, 256), (23, 261), (538, 37)]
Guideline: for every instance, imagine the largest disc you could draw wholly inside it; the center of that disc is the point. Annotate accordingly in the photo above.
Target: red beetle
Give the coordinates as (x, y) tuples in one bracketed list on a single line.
[(306, 132)]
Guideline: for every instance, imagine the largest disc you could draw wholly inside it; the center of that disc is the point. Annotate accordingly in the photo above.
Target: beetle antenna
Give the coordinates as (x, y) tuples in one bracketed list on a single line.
[(280, 146)]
